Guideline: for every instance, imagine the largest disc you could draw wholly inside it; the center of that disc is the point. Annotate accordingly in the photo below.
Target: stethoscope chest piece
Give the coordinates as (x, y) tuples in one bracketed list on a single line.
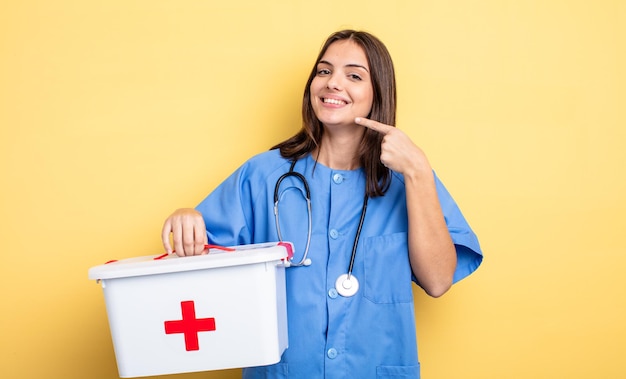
[(347, 285)]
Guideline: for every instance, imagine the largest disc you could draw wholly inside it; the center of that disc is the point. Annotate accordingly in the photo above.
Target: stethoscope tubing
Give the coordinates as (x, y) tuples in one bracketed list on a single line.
[(304, 261), (346, 284), (356, 238)]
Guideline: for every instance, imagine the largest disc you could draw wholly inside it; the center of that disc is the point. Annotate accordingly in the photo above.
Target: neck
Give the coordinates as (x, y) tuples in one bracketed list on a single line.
[(339, 152)]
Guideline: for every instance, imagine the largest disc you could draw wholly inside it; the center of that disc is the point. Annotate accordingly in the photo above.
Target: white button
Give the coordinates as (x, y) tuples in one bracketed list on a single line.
[(334, 234), (332, 353), (332, 293), (338, 178)]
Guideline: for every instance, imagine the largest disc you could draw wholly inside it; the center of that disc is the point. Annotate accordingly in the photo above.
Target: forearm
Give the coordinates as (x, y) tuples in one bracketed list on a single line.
[(431, 250)]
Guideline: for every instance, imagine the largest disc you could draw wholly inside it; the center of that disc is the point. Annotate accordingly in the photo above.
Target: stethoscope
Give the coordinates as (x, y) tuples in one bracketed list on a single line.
[(346, 284)]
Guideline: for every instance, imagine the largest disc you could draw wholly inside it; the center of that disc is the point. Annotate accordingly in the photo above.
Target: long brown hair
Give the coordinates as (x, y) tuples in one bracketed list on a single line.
[(383, 110)]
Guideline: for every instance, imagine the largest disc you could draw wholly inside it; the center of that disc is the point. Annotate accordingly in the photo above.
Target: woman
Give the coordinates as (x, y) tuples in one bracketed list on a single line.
[(378, 211)]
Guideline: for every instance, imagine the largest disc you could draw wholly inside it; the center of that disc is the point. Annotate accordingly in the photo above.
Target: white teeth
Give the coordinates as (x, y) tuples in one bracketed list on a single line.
[(333, 101)]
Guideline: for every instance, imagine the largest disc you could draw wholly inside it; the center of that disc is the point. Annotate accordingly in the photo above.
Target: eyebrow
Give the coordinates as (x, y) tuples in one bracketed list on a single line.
[(348, 65)]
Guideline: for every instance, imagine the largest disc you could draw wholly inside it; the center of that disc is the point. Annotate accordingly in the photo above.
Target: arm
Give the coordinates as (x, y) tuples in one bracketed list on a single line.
[(431, 250)]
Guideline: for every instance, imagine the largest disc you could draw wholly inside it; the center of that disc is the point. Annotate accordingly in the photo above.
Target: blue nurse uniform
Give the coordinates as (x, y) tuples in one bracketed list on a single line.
[(371, 334)]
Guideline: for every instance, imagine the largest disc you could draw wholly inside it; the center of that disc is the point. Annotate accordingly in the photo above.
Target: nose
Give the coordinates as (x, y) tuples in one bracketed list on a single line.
[(334, 82)]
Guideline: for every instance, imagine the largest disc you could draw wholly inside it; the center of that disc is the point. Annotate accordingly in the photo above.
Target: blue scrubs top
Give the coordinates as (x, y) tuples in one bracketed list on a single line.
[(369, 335)]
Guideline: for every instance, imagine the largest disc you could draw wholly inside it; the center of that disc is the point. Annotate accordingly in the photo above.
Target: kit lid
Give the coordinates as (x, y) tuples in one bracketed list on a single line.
[(155, 264)]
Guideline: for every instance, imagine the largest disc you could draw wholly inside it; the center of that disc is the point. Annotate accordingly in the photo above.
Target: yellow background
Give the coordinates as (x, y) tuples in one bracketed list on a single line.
[(114, 113)]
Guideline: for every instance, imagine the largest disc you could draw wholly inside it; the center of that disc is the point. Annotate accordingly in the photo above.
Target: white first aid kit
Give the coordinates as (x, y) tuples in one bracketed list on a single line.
[(170, 314)]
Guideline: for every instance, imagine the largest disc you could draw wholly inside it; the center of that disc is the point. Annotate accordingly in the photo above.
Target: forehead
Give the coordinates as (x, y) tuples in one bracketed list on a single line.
[(345, 52)]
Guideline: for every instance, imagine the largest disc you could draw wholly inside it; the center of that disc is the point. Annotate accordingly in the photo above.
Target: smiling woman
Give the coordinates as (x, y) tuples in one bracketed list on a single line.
[(397, 219), (114, 113)]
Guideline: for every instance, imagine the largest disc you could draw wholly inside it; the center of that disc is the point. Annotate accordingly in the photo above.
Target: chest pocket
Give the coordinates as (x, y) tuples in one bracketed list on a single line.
[(387, 269)]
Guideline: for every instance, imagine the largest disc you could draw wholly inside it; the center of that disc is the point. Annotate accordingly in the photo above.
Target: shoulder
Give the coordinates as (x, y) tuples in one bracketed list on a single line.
[(265, 165), (266, 157)]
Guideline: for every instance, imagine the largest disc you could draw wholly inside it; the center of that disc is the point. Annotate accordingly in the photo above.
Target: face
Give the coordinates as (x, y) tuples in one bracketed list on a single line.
[(342, 88)]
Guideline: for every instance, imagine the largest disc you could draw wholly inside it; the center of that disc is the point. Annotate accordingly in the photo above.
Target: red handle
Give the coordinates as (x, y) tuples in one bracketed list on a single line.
[(205, 247)]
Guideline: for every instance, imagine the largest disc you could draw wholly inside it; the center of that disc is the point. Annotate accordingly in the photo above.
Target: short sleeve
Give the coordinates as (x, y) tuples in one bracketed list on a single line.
[(469, 253), (227, 211)]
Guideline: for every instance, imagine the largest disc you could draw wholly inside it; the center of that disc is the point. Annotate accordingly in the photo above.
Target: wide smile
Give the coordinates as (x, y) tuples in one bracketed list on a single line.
[(327, 100)]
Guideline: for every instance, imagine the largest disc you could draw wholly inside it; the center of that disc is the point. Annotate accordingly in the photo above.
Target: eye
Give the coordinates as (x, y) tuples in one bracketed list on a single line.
[(323, 71), (355, 77)]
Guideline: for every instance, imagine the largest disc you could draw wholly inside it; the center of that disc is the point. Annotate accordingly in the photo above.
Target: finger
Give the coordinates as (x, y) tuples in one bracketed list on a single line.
[(374, 125), (189, 240), (200, 239), (165, 236), (177, 236)]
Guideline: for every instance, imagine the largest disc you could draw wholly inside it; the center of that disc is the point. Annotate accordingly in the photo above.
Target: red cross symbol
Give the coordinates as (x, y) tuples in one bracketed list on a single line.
[(190, 325)]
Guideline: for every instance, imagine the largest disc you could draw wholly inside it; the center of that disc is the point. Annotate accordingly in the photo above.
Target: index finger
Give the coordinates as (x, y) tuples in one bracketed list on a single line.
[(165, 236), (374, 125)]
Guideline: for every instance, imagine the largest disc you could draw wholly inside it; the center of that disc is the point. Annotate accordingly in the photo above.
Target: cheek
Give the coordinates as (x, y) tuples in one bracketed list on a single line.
[(368, 101), (316, 84)]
